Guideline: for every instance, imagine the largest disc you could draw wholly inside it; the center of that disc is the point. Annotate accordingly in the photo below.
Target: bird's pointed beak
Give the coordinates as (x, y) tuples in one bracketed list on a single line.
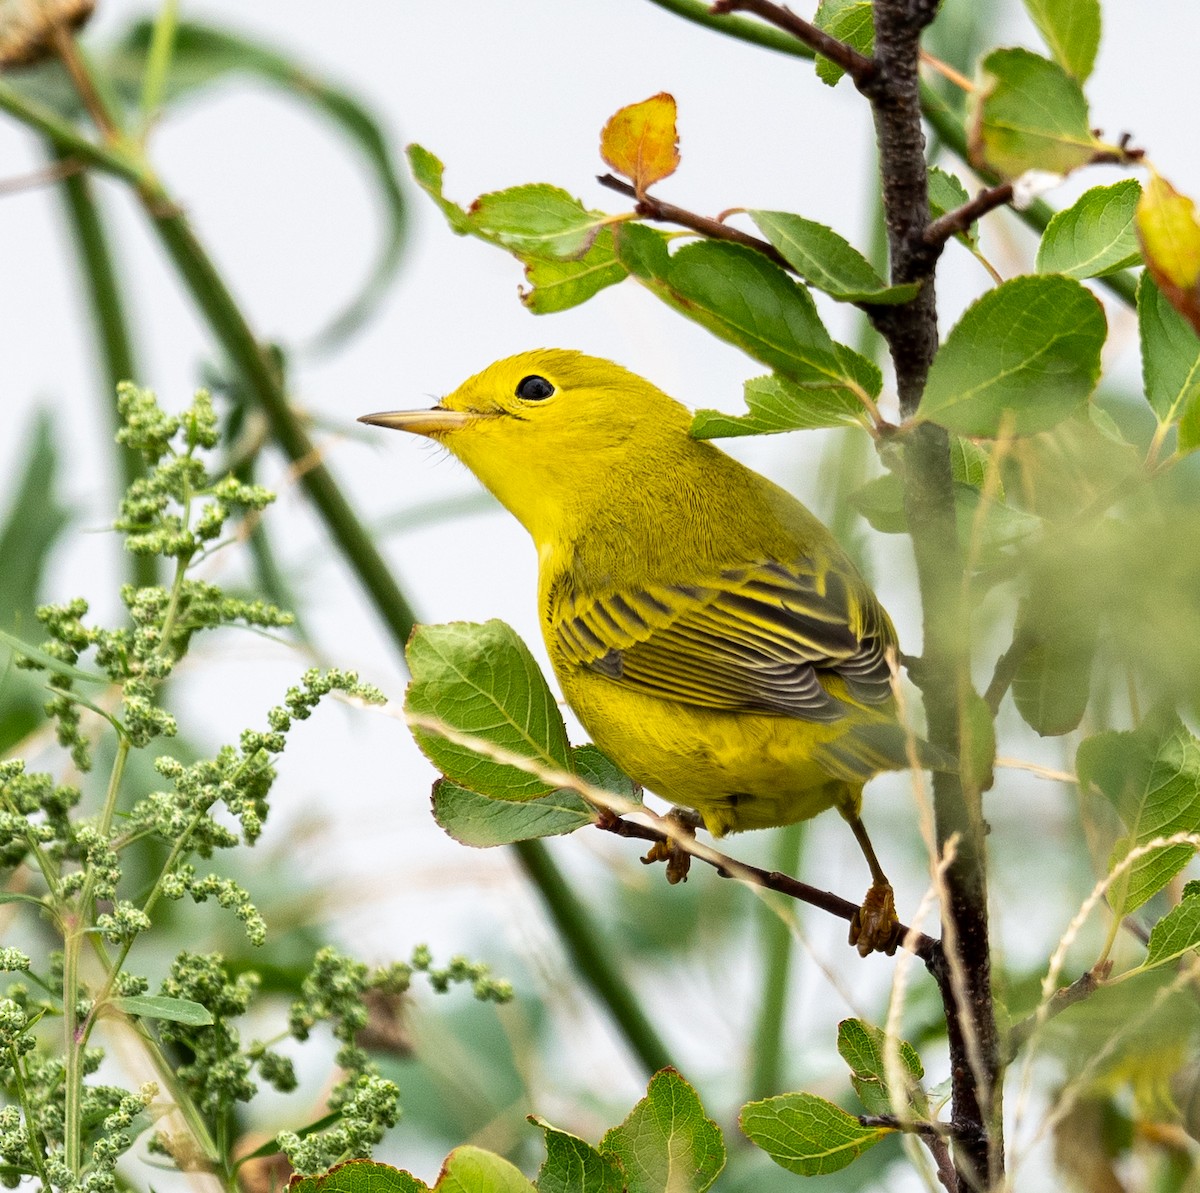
[(437, 421)]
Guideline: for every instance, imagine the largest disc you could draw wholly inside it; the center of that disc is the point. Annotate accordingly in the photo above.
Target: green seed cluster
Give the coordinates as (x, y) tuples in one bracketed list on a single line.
[(110, 681)]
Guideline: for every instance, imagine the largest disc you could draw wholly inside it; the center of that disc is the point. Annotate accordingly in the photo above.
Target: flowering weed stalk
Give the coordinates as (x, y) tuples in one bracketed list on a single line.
[(57, 1127)]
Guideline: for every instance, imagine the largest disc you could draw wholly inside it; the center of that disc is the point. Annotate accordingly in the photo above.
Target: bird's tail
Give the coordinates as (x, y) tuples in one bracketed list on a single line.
[(879, 746)]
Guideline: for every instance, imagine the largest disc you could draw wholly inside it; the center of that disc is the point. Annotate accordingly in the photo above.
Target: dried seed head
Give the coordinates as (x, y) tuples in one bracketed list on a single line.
[(27, 27)]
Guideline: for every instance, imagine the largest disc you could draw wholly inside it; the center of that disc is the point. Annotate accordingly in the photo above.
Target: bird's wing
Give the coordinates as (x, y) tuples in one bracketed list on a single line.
[(756, 638)]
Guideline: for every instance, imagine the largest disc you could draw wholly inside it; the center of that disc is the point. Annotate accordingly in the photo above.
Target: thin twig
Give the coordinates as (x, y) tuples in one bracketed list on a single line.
[(859, 67), (915, 1126), (651, 208), (961, 218), (662, 830), (927, 948), (1082, 987), (63, 40), (55, 172), (939, 1149)]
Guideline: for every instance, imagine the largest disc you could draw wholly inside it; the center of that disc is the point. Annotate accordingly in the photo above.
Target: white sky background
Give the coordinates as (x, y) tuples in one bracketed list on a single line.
[(504, 94)]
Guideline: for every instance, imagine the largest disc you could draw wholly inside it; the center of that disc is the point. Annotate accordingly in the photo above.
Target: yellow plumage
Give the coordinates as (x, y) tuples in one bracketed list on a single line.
[(708, 631)]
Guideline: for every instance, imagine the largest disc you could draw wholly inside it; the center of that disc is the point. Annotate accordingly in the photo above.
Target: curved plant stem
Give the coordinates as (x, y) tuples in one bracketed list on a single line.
[(591, 957), (112, 327), (766, 1075), (231, 329)]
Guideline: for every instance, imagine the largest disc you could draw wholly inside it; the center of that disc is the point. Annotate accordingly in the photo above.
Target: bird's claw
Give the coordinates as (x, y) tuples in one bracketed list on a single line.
[(875, 925), (678, 860)]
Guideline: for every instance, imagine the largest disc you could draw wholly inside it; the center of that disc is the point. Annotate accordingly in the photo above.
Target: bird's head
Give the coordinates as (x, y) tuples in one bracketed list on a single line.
[(547, 431)]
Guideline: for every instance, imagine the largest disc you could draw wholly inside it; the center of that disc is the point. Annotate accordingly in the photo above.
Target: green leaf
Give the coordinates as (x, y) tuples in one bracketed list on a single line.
[(741, 297), (558, 285), (590, 763), (567, 250), (174, 1010), (272, 1148), (536, 220), (828, 261), (482, 680), (1029, 114), (1053, 682), (1170, 354), (947, 193), (881, 502), (777, 404), (1189, 426), (1152, 777), (477, 820), (1053, 679), (18, 897), (861, 1046), (573, 1166), (970, 465), (978, 747), (667, 1142), (806, 1134), (427, 171), (47, 662), (1071, 30), (857, 369), (1029, 349), (851, 21), (205, 54), (361, 1176), (35, 521), (1096, 235), (1178, 932), (473, 1170)]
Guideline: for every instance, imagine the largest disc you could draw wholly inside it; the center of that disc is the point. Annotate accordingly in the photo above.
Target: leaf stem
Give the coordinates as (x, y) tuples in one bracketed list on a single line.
[(72, 1050), (158, 64)]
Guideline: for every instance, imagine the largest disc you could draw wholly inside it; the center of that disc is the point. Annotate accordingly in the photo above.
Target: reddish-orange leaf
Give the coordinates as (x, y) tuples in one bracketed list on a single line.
[(641, 142), (1170, 238)]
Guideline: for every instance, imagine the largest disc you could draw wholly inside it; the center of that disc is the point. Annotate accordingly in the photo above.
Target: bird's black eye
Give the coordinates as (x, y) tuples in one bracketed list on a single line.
[(534, 389)]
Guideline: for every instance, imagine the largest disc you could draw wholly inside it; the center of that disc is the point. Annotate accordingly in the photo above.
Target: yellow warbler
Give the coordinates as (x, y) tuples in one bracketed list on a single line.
[(708, 631)]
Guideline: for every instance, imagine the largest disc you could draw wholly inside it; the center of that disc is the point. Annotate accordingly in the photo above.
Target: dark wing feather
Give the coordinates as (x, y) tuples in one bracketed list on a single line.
[(755, 639)]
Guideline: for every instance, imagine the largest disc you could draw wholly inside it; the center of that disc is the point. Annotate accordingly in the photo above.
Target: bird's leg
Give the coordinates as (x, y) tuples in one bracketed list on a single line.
[(875, 923), (678, 861)]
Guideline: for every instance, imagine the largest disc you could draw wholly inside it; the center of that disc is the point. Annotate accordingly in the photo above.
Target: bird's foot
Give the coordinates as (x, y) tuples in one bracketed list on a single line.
[(875, 927), (678, 860)]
